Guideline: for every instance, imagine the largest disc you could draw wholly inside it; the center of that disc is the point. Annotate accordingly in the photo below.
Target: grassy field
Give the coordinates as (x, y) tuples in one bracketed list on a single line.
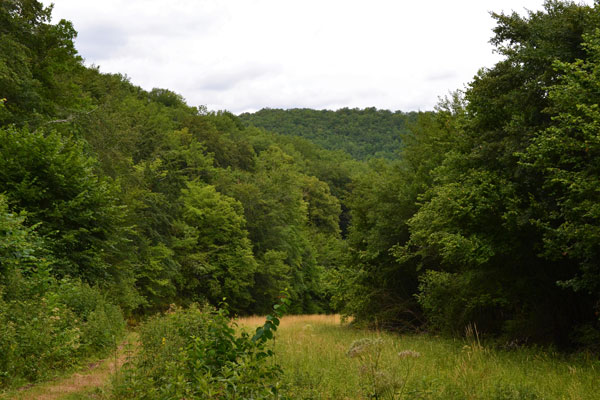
[(324, 359)]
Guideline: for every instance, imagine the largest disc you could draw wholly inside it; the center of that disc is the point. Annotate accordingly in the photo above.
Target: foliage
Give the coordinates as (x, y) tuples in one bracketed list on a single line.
[(36, 60), (492, 206), (482, 212), (45, 323), (111, 173), (21, 249), (481, 220), (376, 287), (196, 353), (50, 176), (565, 155), (214, 250), (362, 133), (52, 329)]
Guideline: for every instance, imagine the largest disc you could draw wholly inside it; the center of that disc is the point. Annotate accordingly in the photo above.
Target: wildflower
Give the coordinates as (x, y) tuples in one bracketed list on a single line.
[(164, 340), (358, 347), (409, 354)]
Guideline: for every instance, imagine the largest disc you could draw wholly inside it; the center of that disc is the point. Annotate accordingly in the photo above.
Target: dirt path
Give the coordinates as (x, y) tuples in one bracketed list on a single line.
[(95, 375)]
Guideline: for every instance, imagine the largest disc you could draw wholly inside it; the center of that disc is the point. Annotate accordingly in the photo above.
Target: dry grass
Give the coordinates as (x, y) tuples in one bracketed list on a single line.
[(290, 320), (313, 352)]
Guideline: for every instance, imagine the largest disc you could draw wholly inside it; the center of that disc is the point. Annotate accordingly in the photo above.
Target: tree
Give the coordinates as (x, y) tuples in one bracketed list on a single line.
[(478, 226), (566, 156), (379, 286), (213, 248), (37, 60), (51, 178)]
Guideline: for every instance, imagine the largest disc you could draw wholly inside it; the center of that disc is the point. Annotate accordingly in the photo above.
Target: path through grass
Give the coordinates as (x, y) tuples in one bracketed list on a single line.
[(313, 352), (86, 383), (320, 362)]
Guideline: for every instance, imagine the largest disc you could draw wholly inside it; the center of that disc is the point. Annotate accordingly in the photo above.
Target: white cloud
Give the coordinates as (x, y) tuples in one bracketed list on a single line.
[(243, 55)]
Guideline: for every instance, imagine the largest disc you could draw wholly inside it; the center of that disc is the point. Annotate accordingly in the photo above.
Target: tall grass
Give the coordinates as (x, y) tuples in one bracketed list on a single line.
[(313, 352)]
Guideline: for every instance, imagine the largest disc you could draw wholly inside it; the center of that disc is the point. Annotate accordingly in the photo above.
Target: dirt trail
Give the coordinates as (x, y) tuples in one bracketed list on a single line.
[(95, 375)]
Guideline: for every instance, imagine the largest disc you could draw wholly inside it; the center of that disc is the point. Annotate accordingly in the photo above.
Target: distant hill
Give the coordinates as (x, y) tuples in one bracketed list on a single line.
[(363, 133)]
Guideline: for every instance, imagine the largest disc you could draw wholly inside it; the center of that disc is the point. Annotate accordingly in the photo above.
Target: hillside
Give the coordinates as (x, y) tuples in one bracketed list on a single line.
[(362, 133), (122, 204)]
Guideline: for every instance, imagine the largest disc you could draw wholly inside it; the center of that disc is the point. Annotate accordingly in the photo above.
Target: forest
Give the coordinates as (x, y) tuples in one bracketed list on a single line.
[(364, 134), (119, 205)]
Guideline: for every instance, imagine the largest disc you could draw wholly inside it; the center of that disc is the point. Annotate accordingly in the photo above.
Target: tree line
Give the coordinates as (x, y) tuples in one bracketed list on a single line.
[(117, 202), (490, 216)]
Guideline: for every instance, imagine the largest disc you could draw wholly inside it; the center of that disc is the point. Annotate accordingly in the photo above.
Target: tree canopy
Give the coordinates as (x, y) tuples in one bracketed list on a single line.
[(362, 133)]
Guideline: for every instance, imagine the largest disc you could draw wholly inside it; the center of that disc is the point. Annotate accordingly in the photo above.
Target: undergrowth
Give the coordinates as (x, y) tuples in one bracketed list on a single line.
[(49, 325), (198, 353)]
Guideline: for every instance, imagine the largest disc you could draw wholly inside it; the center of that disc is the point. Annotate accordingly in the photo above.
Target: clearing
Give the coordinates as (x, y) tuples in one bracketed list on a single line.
[(318, 363), (324, 358)]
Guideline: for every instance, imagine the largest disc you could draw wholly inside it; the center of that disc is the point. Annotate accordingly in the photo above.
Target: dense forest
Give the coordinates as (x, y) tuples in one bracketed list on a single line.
[(118, 203), (362, 133)]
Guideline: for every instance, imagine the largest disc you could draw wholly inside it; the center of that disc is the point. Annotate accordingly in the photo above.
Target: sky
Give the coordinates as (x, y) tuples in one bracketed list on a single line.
[(244, 55)]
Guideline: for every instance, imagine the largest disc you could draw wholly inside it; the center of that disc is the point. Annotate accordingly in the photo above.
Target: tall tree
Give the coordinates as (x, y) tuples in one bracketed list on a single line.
[(52, 178), (37, 59), (213, 248), (478, 223)]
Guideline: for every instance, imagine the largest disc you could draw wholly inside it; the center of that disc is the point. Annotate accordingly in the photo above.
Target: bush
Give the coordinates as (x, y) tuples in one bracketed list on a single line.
[(453, 301), (195, 353), (41, 331), (46, 324)]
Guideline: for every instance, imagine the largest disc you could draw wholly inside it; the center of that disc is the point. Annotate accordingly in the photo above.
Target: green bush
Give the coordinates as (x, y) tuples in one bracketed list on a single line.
[(195, 353), (46, 324), (41, 332), (451, 302)]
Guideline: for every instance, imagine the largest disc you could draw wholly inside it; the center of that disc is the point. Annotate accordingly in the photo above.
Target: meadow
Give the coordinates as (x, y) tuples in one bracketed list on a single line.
[(323, 358)]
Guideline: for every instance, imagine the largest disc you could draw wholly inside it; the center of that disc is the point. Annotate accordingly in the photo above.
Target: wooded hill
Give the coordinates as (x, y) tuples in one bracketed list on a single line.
[(117, 202), (363, 133)]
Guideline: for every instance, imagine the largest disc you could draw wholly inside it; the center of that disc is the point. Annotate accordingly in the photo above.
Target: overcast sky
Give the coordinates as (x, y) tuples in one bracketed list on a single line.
[(244, 55)]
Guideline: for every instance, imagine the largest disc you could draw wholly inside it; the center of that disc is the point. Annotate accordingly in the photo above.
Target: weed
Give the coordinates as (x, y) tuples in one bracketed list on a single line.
[(197, 353)]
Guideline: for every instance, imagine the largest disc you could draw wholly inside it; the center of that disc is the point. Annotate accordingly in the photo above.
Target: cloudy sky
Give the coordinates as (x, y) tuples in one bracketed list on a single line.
[(243, 55)]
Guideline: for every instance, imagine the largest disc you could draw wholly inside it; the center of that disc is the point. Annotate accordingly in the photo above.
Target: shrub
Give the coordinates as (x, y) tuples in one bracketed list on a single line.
[(41, 332), (453, 301), (46, 324), (195, 353)]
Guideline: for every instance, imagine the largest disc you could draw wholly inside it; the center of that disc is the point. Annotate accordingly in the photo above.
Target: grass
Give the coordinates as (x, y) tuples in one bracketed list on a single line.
[(87, 383), (312, 351)]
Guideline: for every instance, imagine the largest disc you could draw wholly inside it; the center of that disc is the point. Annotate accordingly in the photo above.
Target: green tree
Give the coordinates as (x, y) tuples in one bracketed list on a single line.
[(53, 180), (566, 156), (478, 220), (37, 60), (213, 248)]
